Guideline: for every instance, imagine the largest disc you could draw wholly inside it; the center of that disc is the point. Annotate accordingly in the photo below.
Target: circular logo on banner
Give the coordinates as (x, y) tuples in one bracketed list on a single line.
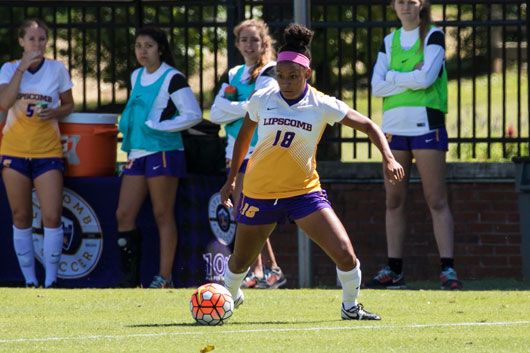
[(221, 220), (82, 242)]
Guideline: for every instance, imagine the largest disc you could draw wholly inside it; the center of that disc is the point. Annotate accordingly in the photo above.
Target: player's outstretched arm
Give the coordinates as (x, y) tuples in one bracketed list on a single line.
[(240, 151), (393, 170)]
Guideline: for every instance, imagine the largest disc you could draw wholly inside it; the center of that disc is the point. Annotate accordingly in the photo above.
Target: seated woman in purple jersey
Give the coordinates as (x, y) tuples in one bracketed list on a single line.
[(281, 179)]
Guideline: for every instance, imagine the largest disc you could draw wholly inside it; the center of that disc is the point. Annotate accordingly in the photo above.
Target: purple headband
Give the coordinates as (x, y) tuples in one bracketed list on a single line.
[(294, 57)]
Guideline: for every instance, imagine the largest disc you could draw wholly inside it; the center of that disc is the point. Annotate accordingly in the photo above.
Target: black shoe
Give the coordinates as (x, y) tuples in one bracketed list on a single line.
[(32, 285), (357, 312), (130, 244), (52, 285)]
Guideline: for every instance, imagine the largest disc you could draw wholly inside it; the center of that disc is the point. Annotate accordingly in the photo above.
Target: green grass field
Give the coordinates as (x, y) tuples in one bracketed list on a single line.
[(479, 319)]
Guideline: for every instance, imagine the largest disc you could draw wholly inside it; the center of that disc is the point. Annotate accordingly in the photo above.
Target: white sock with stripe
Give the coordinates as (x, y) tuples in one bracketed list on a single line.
[(351, 284), (53, 248), (23, 244), (233, 281)]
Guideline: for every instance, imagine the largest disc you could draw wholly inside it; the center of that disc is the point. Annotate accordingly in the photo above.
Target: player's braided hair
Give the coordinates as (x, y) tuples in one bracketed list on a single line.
[(297, 38)]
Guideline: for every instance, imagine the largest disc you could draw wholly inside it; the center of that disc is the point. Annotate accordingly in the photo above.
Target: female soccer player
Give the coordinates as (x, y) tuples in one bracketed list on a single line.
[(37, 92), (160, 105), (281, 179), (410, 76), (255, 45)]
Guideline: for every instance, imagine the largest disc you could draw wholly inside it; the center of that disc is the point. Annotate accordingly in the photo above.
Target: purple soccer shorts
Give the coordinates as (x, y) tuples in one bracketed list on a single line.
[(267, 211), (434, 140), (32, 167), (165, 163)]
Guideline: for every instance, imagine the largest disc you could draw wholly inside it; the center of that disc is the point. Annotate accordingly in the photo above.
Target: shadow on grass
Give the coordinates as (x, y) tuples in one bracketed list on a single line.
[(193, 324)]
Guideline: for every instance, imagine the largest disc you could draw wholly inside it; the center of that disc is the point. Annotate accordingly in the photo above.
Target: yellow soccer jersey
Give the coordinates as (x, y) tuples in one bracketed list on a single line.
[(25, 134), (283, 163)]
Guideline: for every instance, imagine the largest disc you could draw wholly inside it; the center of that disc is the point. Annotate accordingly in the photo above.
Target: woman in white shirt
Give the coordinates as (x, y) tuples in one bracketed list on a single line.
[(161, 105), (37, 93), (410, 75)]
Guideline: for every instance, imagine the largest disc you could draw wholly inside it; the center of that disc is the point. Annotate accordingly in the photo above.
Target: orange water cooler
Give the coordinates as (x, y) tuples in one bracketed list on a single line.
[(89, 144)]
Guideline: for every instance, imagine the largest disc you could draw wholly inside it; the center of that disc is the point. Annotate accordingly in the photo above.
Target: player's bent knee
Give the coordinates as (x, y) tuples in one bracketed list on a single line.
[(238, 265), (345, 260)]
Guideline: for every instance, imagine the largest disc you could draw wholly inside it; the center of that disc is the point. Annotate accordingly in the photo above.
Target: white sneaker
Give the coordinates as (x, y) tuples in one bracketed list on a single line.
[(240, 299)]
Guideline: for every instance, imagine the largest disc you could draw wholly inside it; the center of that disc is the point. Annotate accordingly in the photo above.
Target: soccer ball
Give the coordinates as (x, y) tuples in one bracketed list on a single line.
[(211, 304)]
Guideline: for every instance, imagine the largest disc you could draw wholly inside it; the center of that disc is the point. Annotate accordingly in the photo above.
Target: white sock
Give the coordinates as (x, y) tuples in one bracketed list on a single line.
[(53, 248), (351, 283), (233, 281), (23, 244)]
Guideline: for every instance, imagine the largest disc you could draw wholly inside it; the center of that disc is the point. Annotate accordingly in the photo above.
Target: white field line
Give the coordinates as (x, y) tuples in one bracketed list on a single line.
[(264, 330)]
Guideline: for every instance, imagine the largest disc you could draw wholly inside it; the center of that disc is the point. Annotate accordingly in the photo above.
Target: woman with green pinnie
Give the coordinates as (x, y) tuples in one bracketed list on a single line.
[(410, 75)]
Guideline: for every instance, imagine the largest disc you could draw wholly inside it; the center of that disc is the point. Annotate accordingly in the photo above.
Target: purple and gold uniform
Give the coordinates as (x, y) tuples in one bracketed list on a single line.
[(25, 134), (283, 163)]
